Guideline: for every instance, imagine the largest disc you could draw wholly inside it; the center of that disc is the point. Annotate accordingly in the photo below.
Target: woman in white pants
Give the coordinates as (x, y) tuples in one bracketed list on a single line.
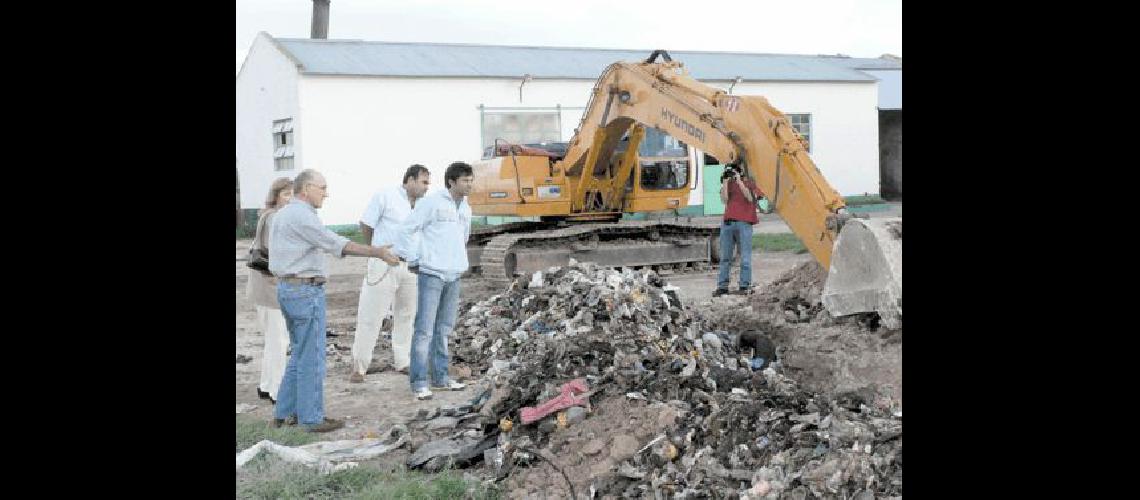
[(262, 290)]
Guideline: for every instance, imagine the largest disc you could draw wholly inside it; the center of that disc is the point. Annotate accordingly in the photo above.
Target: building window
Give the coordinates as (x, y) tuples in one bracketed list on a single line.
[(802, 123), (283, 144), (520, 127)]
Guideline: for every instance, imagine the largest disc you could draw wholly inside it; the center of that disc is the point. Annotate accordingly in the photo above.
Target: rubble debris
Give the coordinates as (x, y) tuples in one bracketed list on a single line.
[(573, 301), (575, 414), (568, 397), (445, 448), (683, 405), (243, 359), (822, 353), (361, 449), (797, 294), (442, 423), (291, 454), (458, 452)]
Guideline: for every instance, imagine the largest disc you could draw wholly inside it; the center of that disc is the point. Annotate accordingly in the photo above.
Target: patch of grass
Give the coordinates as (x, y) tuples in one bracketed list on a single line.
[(854, 201), (777, 242), (267, 476), (251, 430), (273, 478), (350, 231), (414, 485)]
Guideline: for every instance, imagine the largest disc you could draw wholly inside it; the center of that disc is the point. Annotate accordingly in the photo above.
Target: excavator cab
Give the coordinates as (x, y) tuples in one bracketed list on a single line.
[(662, 176)]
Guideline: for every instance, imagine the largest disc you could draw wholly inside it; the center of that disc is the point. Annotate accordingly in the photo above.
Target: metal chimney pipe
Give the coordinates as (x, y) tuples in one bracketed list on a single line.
[(320, 19)]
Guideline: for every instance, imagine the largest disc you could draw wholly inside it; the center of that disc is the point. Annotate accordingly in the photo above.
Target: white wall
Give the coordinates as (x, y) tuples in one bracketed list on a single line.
[(362, 133), (266, 91), (890, 87), (844, 127)]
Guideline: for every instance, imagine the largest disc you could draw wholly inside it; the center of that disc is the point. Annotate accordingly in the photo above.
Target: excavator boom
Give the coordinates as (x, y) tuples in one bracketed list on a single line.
[(734, 129)]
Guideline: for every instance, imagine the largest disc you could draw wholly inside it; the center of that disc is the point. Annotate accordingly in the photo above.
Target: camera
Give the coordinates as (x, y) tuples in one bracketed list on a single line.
[(730, 171)]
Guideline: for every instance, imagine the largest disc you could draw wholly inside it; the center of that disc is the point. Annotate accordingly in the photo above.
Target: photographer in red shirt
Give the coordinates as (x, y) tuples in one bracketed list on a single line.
[(739, 196)]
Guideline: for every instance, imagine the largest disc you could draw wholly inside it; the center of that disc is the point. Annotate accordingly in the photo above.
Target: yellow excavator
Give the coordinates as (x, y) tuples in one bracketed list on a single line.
[(630, 155)]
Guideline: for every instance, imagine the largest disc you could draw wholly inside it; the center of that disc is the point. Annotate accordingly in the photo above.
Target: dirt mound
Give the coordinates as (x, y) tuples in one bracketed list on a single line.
[(614, 431), (805, 282), (823, 353)]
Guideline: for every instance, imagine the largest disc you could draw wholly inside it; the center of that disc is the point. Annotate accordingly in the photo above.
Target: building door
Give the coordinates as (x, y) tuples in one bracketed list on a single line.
[(237, 185), (890, 154), (713, 205)]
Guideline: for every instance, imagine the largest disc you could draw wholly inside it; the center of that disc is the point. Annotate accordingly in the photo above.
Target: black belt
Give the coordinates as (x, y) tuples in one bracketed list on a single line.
[(316, 280)]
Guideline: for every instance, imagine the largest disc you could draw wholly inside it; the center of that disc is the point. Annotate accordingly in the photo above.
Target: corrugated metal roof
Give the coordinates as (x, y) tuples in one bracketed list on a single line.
[(357, 57), (865, 62)]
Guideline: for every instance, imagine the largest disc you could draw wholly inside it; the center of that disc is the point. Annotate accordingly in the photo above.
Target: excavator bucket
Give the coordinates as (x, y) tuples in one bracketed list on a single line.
[(866, 270)]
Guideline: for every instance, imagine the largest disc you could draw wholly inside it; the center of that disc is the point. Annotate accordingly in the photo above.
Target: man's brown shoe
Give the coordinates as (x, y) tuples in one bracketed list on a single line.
[(356, 378), (277, 422), (330, 424)]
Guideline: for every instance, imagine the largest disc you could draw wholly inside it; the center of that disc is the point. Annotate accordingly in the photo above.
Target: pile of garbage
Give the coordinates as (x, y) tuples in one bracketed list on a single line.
[(771, 442), (795, 297), (580, 300), (582, 365)]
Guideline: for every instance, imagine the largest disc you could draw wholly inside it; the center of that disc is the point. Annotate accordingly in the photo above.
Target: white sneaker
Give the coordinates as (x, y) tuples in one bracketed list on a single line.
[(423, 394), (451, 386)]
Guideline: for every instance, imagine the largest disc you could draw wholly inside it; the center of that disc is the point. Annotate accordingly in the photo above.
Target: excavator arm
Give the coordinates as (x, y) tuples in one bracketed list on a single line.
[(745, 130)]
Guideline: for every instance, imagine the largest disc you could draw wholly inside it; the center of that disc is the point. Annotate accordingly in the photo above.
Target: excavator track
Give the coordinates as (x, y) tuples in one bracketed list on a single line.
[(671, 245)]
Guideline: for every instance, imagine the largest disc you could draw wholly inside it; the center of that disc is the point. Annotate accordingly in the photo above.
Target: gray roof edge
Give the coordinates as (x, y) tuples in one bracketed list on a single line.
[(547, 47), (851, 71), (285, 50), (868, 79)]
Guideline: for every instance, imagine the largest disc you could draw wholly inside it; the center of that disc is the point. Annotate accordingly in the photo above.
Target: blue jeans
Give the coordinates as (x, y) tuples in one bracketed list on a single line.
[(735, 235), (302, 387), (437, 304)]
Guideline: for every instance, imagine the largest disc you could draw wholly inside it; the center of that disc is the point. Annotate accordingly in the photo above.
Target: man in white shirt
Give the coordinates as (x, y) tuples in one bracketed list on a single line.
[(386, 285), (442, 219)]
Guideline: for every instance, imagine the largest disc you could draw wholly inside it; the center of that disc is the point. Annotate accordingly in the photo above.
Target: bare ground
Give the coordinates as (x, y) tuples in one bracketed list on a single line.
[(385, 397)]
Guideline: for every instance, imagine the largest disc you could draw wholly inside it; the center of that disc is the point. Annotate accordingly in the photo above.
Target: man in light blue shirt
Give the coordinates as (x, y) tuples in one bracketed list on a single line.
[(298, 242), (387, 287), (442, 219)]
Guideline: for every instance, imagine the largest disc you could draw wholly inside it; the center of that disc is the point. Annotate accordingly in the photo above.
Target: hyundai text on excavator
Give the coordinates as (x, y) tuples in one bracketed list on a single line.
[(630, 155)]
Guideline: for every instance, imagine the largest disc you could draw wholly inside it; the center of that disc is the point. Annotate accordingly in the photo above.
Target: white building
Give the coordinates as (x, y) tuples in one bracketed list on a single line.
[(361, 112)]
